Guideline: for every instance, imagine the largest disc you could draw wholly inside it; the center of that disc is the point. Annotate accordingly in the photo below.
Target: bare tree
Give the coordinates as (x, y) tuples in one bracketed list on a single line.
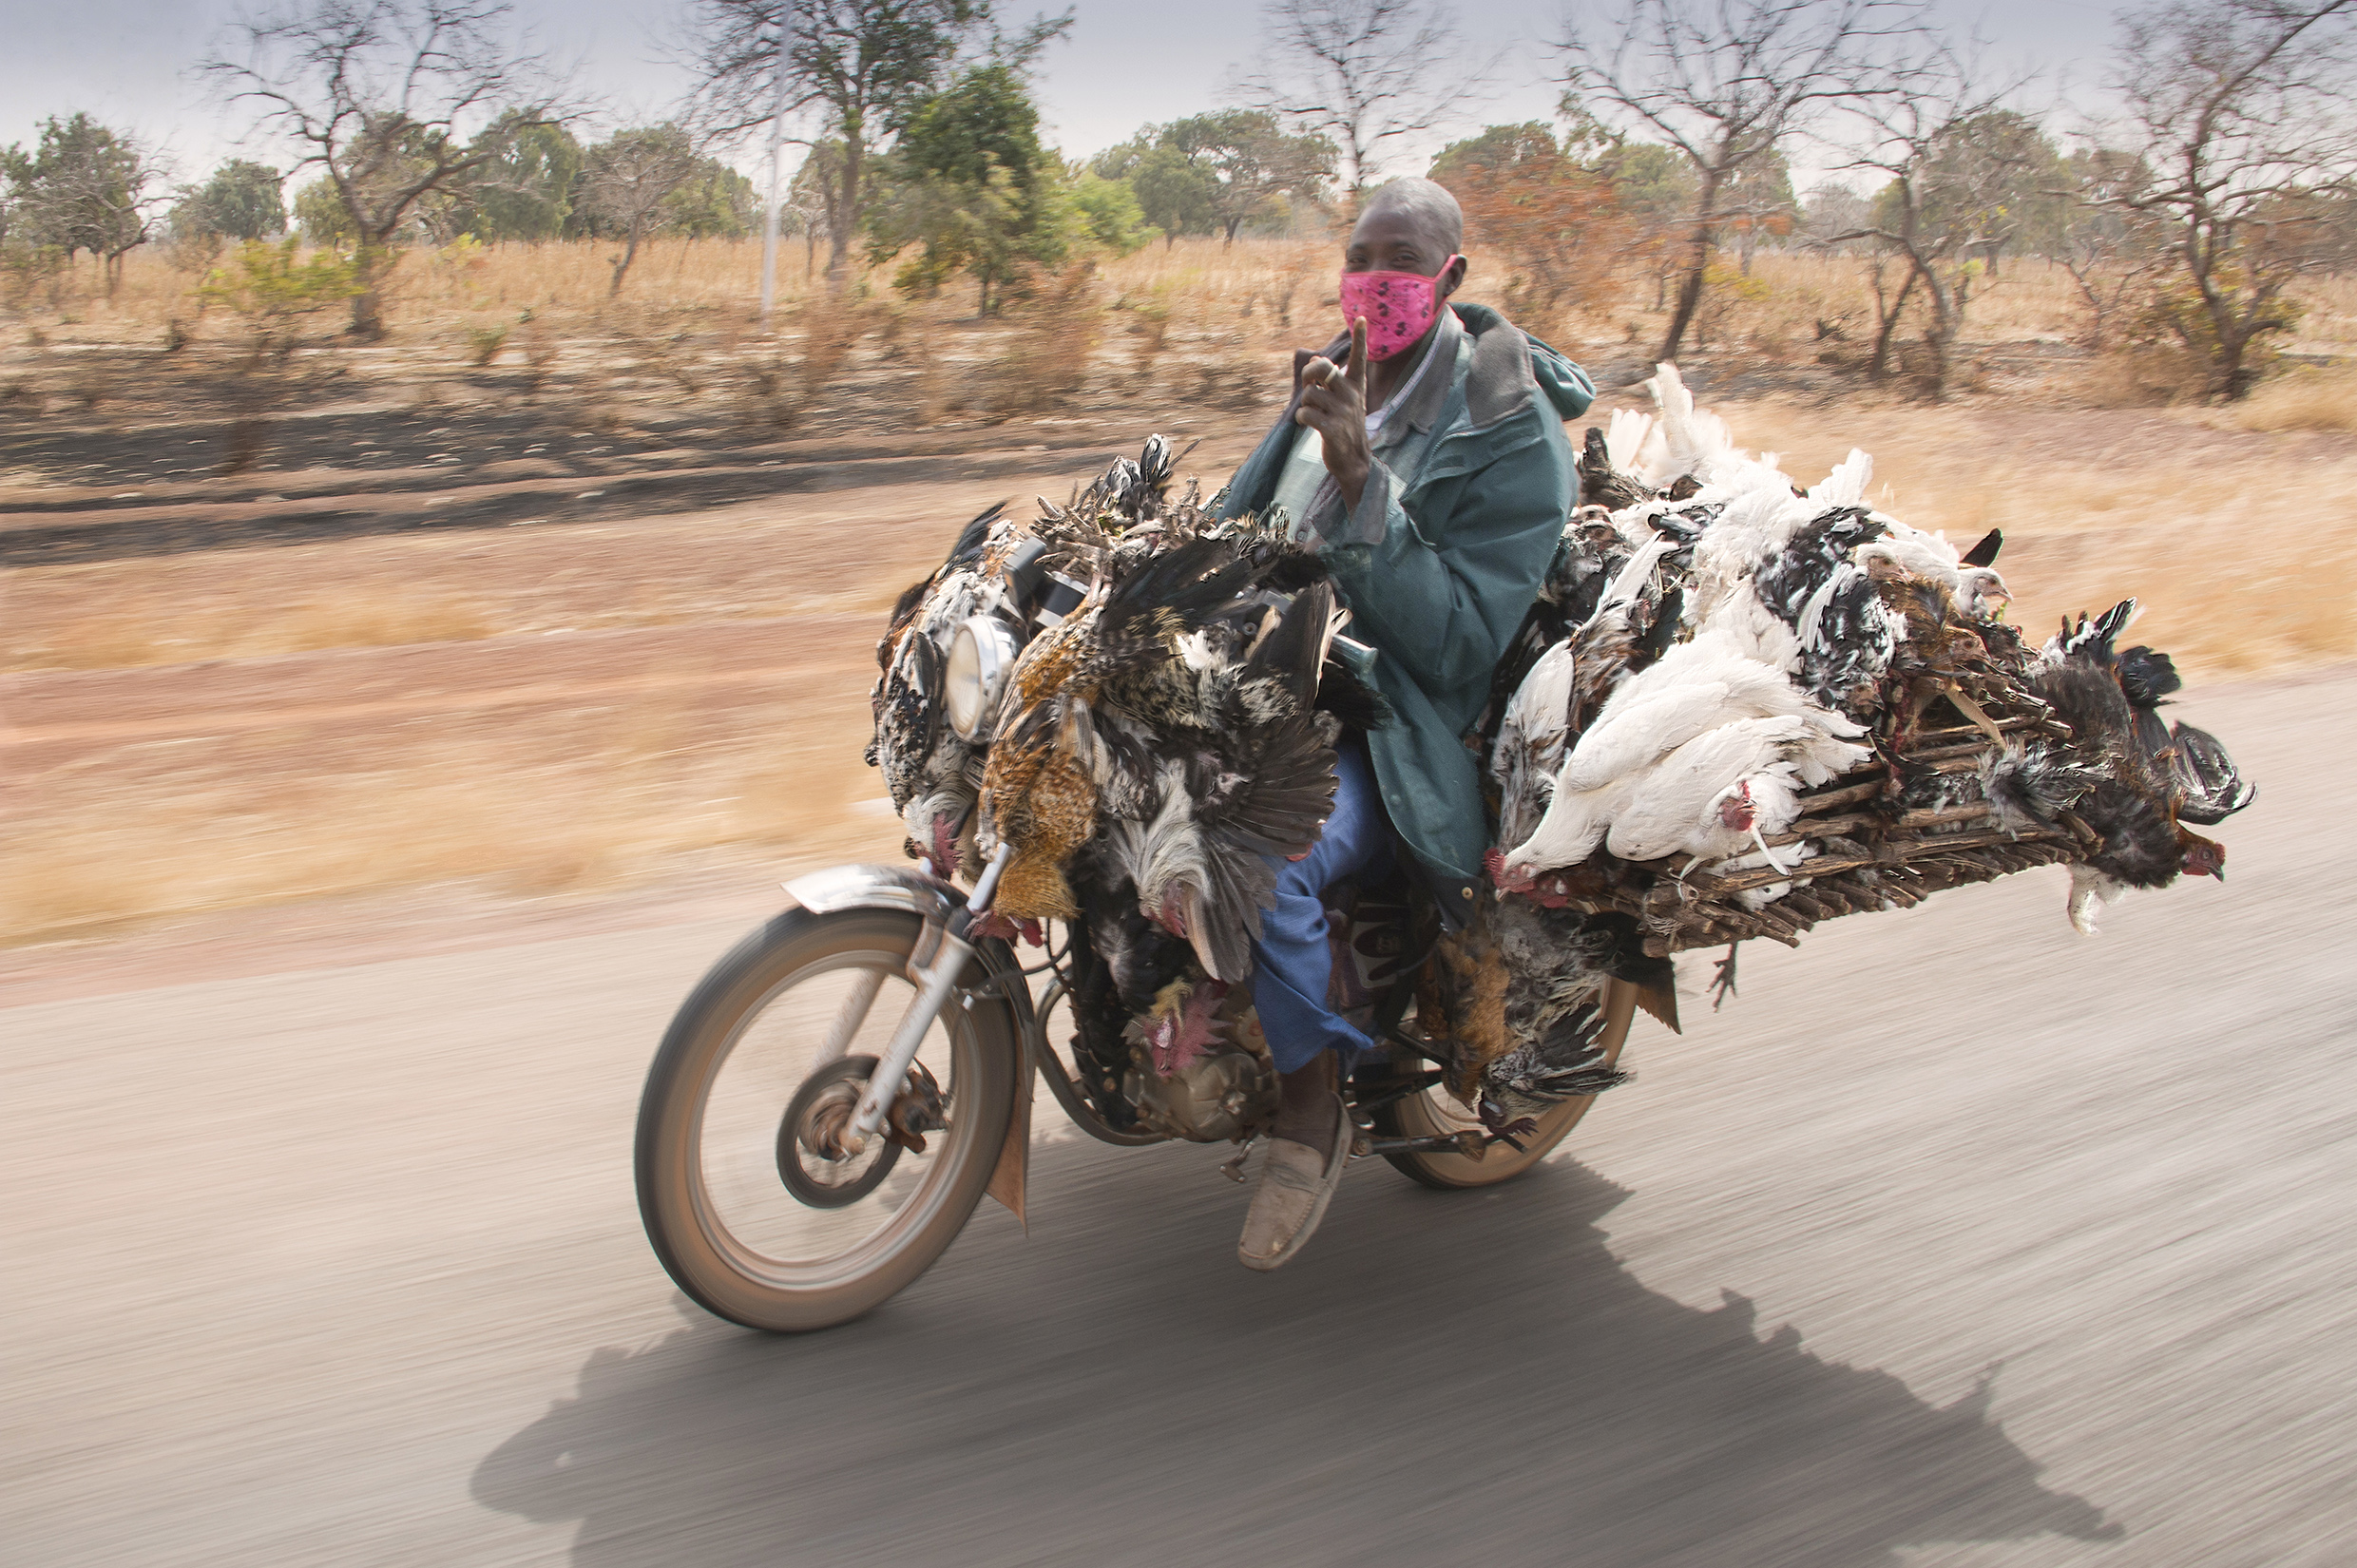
[(813, 204), (2107, 251), (2243, 109), (1367, 74), (1724, 82), (865, 64), (626, 178), (382, 95), (1831, 209), (1938, 129)]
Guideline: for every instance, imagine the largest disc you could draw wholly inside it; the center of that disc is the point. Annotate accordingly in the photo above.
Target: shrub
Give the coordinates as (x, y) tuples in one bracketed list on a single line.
[(272, 290)]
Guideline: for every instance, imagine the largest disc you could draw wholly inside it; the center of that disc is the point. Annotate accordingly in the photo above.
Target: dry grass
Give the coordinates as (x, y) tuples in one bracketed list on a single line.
[(1255, 290), (158, 625), (751, 562), (2304, 399), (556, 803)]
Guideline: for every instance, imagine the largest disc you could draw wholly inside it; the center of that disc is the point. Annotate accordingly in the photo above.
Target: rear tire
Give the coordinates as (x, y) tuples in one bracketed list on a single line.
[(1436, 1113), (753, 1254)]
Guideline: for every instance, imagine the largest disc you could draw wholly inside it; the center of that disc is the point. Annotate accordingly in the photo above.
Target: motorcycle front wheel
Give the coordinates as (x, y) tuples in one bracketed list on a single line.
[(788, 1016), (1436, 1113)]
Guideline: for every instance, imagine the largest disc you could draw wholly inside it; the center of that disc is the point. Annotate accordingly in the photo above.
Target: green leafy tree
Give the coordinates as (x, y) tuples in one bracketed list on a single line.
[(1654, 183), (1178, 195), (866, 65), (1214, 173), (240, 201), (1252, 161), (525, 190), (321, 215), (1109, 212), (1121, 159), (83, 188), (715, 203), (979, 195), (1174, 192), (2000, 175), (1505, 149)]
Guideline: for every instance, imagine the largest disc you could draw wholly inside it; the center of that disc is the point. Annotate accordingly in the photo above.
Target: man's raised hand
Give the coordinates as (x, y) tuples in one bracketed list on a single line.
[(1333, 403)]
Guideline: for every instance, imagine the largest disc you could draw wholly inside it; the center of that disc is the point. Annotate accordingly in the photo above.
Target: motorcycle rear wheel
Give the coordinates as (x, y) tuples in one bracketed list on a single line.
[(802, 993), (1435, 1113)]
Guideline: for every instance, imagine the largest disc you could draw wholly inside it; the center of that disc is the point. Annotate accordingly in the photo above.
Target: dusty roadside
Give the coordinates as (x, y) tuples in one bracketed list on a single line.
[(586, 709)]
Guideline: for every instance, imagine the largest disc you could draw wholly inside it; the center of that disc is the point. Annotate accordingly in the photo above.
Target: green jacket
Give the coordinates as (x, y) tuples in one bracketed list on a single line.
[(1440, 566)]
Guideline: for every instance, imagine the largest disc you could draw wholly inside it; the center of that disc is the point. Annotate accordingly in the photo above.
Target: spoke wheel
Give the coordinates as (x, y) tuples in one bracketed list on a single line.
[(753, 1212), (1435, 1112)]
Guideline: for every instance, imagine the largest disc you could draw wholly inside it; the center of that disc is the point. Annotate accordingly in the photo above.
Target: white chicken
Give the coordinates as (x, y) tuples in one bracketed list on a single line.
[(1714, 795), (1683, 440), (1531, 741), (1705, 743)]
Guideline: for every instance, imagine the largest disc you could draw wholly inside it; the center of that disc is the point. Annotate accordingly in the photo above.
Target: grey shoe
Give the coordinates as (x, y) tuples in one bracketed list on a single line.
[(1296, 1185)]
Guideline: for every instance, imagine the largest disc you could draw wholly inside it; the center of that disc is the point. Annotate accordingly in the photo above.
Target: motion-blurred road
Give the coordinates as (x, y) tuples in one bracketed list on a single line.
[(1953, 1239)]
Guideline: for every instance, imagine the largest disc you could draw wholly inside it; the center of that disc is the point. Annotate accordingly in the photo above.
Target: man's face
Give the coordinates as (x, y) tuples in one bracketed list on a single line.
[(1385, 240)]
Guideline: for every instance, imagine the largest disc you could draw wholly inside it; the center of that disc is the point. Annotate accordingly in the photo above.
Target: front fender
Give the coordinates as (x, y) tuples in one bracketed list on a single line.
[(876, 888), (871, 887)]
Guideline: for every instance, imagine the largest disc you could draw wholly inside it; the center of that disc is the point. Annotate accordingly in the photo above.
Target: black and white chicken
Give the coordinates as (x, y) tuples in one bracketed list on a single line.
[(2150, 780)]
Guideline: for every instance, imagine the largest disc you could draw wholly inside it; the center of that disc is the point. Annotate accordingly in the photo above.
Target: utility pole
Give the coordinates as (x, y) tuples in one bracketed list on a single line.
[(776, 145)]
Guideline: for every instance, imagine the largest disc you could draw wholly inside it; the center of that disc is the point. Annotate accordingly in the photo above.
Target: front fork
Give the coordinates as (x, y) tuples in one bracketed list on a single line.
[(937, 980)]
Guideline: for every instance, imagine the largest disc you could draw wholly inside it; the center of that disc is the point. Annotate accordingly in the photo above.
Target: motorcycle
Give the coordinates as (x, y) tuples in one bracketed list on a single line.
[(842, 1089)]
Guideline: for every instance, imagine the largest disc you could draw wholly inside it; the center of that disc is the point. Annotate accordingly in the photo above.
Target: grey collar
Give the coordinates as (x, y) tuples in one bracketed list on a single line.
[(1417, 403)]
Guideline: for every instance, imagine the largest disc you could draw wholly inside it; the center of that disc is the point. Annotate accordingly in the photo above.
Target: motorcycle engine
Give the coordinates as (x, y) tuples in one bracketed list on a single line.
[(1223, 1090)]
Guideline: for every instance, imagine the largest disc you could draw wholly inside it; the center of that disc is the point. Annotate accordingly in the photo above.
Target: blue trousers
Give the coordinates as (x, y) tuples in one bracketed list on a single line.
[(1293, 964)]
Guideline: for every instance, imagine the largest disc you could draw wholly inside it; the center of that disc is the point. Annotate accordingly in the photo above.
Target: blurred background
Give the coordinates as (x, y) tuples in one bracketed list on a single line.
[(437, 602)]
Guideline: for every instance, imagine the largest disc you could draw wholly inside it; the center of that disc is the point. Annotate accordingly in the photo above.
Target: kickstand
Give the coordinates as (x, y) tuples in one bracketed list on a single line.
[(1723, 976), (1233, 1169)]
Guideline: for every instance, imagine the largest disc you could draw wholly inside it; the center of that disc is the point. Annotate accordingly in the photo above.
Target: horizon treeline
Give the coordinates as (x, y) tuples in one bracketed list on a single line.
[(2231, 172)]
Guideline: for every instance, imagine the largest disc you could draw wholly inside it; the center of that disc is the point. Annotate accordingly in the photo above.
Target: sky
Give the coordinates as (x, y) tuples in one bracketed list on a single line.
[(1128, 63)]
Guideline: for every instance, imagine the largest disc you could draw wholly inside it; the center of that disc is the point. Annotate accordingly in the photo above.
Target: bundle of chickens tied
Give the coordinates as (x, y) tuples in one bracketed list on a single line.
[(1737, 707)]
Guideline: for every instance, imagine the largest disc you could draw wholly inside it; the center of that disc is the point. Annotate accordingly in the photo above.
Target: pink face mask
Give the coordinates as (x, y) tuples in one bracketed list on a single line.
[(1400, 307)]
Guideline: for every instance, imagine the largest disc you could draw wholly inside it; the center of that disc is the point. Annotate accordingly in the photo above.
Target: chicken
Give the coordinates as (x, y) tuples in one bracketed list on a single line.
[(1602, 483), (2108, 699), (2203, 781), (1531, 742), (1259, 784), (1727, 787), (1683, 442), (1168, 743), (927, 769), (1519, 992), (1814, 584), (1633, 762)]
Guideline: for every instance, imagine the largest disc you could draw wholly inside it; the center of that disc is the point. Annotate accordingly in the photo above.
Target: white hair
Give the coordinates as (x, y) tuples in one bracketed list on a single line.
[(1425, 203)]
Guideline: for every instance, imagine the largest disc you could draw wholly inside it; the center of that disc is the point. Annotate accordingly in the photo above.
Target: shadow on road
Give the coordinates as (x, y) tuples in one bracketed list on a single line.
[(1439, 1374)]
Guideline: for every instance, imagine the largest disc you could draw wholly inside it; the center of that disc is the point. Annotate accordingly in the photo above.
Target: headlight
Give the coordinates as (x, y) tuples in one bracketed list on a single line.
[(981, 655)]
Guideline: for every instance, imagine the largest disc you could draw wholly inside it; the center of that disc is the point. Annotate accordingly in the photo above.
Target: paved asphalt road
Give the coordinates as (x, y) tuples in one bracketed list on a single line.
[(1953, 1239)]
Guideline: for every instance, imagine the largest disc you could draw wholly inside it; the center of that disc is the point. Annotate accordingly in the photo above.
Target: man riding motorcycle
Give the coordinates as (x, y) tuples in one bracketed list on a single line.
[(1423, 455)]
